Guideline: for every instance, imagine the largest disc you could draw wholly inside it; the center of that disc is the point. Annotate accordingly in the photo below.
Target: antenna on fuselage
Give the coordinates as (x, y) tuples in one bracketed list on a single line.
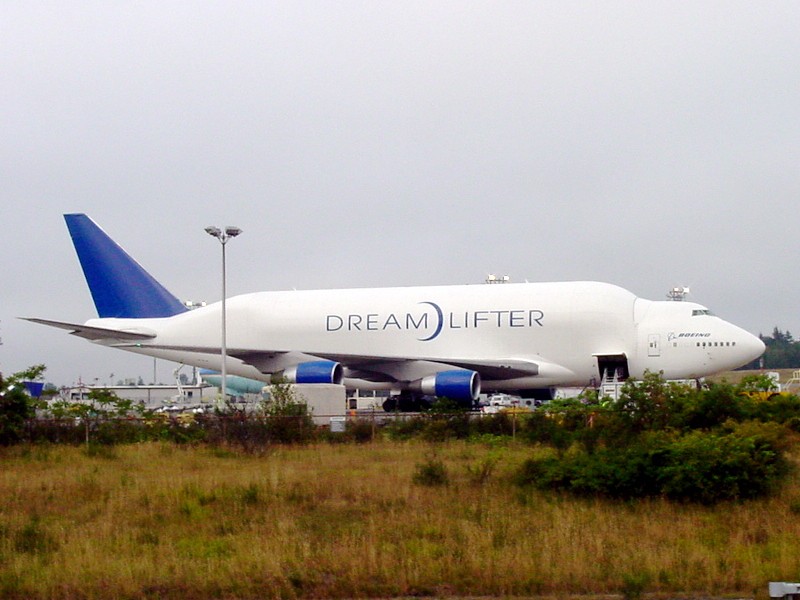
[(678, 293), (492, 278), (191, 304)]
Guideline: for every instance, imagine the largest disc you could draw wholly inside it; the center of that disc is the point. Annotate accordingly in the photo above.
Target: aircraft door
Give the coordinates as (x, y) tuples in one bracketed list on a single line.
[(614, 366)]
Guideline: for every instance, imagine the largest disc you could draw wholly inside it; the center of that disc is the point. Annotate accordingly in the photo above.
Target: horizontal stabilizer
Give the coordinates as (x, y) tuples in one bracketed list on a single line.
[(266, 361), (97, 333)]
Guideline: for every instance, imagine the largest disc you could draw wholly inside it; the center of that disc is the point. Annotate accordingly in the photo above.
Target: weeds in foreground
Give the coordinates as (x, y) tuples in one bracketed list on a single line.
[(339, 521)]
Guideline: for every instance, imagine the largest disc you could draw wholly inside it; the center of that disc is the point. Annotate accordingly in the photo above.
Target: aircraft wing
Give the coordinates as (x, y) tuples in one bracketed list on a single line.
[(378, 368), (97, 333), (392, 369), (499, 369)]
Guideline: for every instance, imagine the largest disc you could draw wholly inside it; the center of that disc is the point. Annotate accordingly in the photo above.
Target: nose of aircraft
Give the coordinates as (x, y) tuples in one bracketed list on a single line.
[(750, 347)]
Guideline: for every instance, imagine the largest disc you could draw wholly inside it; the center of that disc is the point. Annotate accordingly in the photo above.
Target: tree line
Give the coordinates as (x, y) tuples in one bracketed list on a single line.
[(782, 352)]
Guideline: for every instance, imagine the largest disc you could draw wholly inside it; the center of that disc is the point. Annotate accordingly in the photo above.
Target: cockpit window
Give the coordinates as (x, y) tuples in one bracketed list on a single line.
[(701, 311)]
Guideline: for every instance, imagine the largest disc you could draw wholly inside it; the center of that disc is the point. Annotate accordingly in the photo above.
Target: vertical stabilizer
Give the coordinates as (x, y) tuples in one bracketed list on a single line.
[(120, 286)]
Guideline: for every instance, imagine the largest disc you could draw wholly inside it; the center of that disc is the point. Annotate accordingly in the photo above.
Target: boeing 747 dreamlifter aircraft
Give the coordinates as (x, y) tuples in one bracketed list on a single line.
[(449, 341)]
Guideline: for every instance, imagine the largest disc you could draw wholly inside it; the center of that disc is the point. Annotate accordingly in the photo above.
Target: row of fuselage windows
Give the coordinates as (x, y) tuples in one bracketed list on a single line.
[(704, 344)]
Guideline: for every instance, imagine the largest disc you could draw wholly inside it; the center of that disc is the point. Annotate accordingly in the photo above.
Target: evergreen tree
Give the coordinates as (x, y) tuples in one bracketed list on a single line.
[(782, 352)]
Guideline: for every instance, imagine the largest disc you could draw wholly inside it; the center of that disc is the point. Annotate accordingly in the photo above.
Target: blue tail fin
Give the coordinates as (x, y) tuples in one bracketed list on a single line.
[(120, 286)]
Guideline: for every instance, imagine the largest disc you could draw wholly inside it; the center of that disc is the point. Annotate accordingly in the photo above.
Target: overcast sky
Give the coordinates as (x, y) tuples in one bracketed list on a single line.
[(365, 144)]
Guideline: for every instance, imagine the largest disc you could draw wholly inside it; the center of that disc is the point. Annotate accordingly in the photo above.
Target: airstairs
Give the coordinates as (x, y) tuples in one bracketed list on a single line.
[(611, 384), (793, 385)]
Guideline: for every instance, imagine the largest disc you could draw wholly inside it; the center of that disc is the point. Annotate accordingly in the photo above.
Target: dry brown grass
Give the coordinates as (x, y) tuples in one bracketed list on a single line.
[(164, 521)]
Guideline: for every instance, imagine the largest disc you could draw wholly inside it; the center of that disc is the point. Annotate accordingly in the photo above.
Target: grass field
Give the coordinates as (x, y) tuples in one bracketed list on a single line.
[(736, 376), (165, 521)]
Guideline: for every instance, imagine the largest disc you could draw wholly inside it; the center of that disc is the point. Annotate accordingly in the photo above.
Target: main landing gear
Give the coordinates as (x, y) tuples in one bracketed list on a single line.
[(408, 402)]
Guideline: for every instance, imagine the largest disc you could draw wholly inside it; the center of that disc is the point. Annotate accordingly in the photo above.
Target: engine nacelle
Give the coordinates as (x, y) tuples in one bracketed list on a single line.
[(318, 371), (458, 385)]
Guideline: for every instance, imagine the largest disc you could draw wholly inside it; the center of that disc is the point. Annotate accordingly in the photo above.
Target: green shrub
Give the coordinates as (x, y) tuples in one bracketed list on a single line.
[(615, 472), (710, 467), (403, 428), (702, 467), (714, 405), (634, 585), (287, 418), (360, 430), (495, 424), (647, 405), (296, 429), (440, 428), (15, 404), (545, 427), (32, 538), (431, 473), (780, 408)]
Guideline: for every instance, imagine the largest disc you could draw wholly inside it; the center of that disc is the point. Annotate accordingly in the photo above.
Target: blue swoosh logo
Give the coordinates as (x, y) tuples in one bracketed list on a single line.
[(439, 325)]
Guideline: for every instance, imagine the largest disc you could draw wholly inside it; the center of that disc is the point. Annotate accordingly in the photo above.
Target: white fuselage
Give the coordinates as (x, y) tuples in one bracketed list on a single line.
[(567, 329)]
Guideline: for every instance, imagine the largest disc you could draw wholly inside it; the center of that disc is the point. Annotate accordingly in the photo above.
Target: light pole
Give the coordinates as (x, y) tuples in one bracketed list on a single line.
[(223, 237)]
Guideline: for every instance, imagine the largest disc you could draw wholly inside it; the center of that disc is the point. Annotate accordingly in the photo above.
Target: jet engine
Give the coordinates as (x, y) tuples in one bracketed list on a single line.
[(318, 371), (458, 385)]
